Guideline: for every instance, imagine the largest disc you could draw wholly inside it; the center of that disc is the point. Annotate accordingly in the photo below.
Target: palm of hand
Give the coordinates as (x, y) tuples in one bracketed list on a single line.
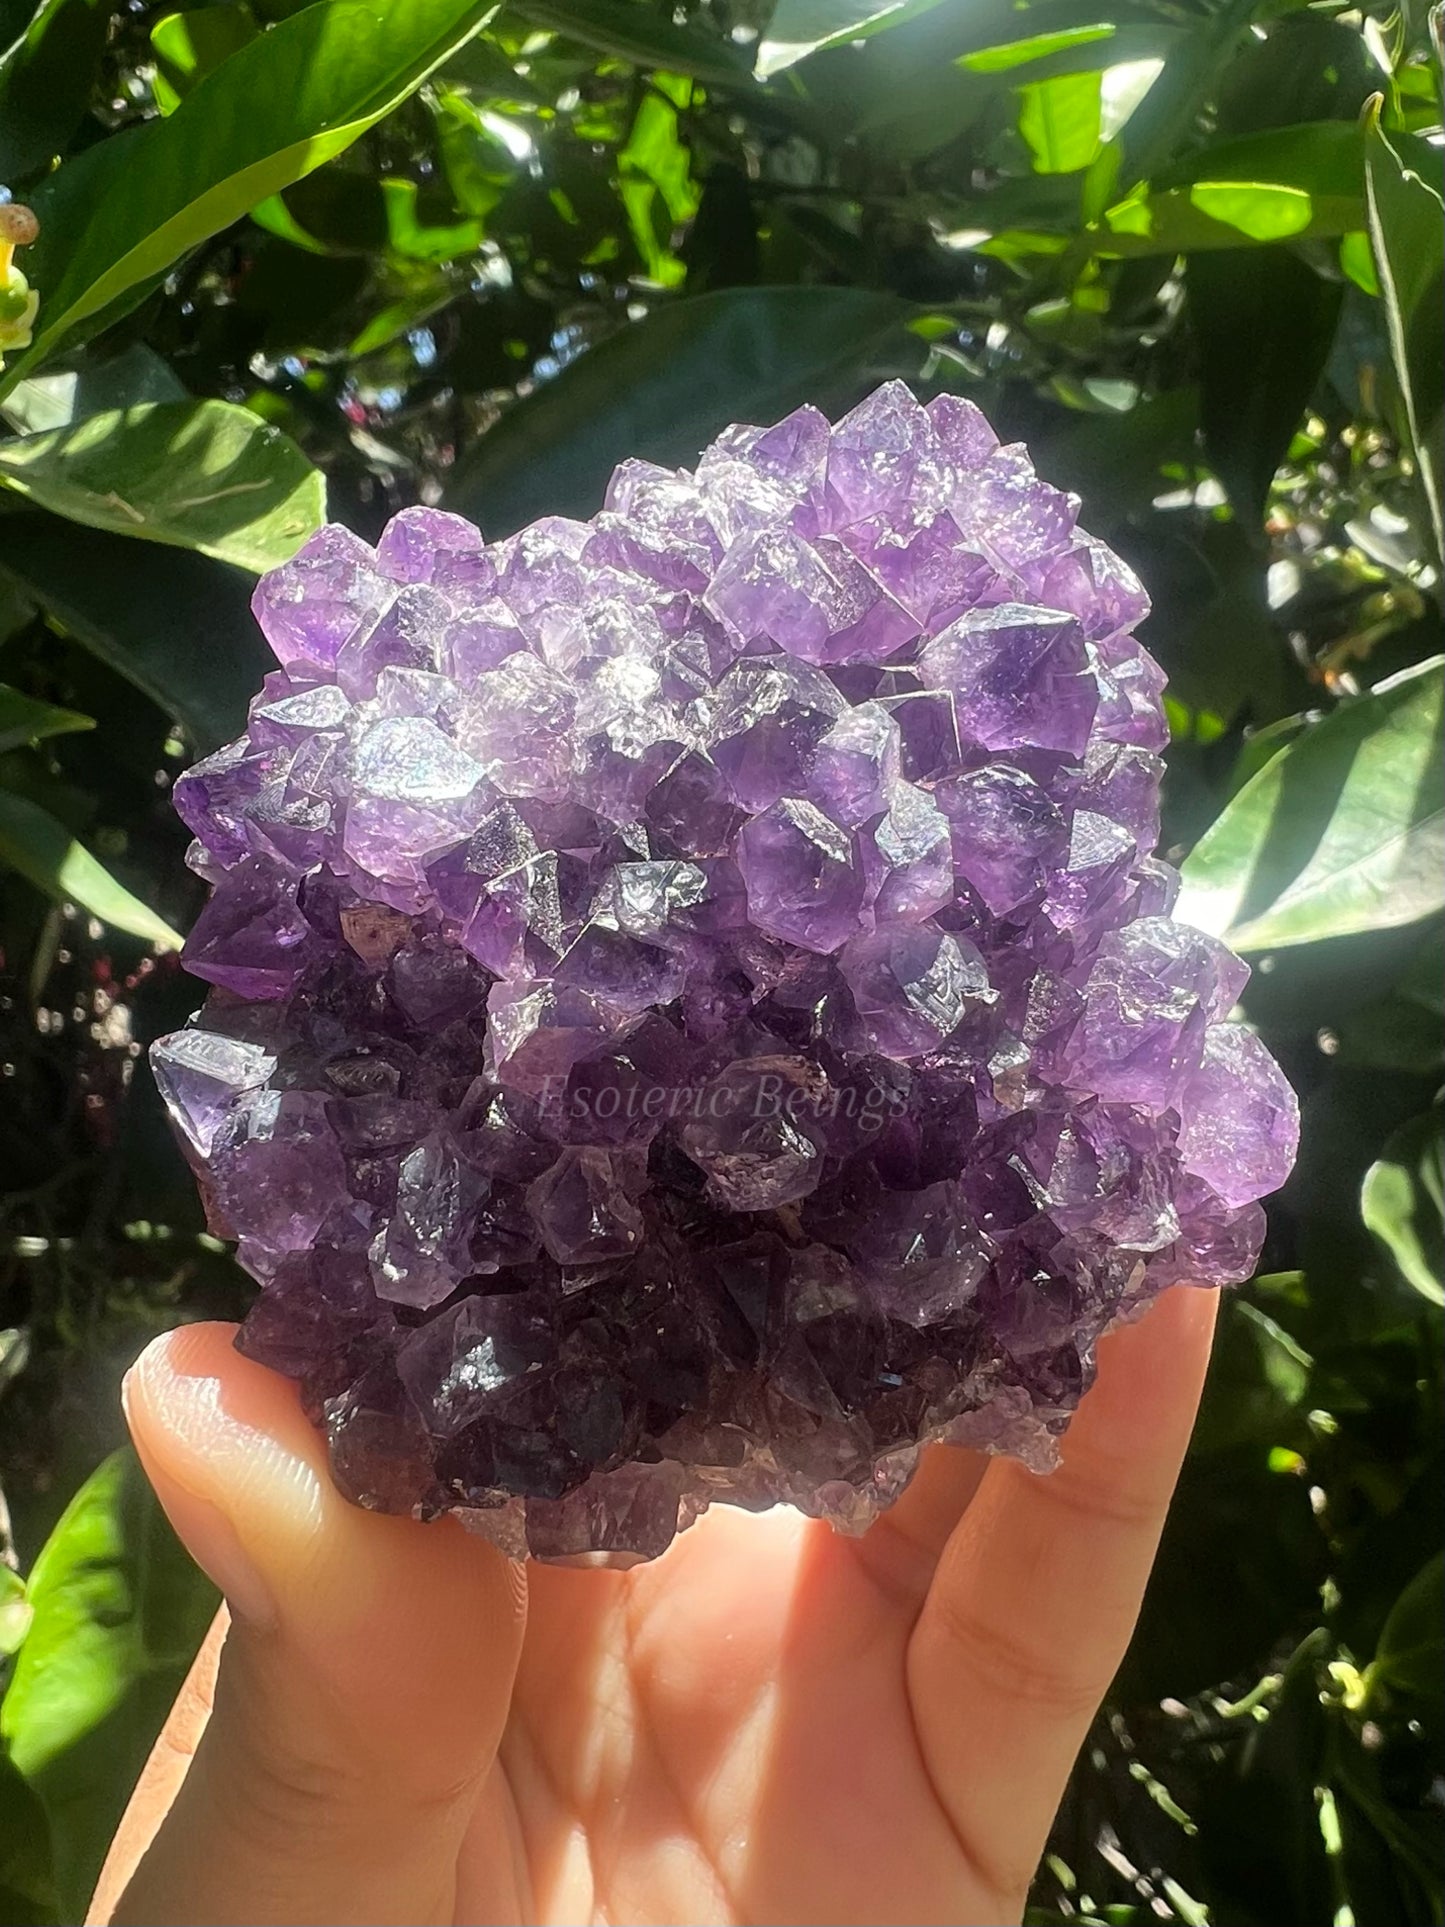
[(729, 1736), (771, 1723)]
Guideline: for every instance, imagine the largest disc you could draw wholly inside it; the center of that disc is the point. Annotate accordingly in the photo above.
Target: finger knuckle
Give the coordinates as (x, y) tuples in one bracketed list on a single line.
[(1015, 1664)]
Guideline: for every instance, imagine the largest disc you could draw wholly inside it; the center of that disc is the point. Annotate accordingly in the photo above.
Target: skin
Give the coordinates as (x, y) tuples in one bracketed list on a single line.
[(770, 1724)]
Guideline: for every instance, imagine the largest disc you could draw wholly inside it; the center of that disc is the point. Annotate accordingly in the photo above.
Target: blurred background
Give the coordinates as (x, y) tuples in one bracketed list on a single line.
[(335, 258)]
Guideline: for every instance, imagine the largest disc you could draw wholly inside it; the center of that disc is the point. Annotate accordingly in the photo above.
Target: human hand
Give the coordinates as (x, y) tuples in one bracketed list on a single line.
[(770, 1724)]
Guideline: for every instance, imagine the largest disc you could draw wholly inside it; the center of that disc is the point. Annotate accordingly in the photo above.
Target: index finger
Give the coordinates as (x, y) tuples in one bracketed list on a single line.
[(162, 1776), (1038, 1590)]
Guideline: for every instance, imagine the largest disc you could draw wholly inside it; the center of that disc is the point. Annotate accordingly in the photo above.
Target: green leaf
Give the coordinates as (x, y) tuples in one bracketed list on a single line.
[(1115, 461), (1262, 1856), (16, 1612), (23, 719), (1406, 215), (27, 1880), (1342, 831), (1403, 1201), (1192, 1636), (647, 36), (1258, 1378), (1187, 87), (1037, 46), (802, 27), (115, 217), (189, 45), (1357, 260), (178, 626), (1251, 404), (40, 847), (201, 475), (119, 1612), (1260, 746), (46, 81), (1262, 212), (1306, 68), (1289, 183), (137, 374), (478, 166), (663, 387), (340, 208), (1410, 1658), (1060, 121), (413, 237), (655, 173)]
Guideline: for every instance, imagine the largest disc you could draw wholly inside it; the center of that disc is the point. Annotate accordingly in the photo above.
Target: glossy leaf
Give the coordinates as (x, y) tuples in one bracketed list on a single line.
[(1037, 46), (479, 168), (1306, 68), (116, 216), (1407, 231), (40, 847), (125, 380), (661, 388), (189, 45), (655, 177), (1403, 1201), (16, 1613), (46, 81), (178, 626), (1251, 404), (802, 27), (415, 238), (914, 90), (1357, 260), (1342, 831), (1183, 91), (25, 720), (1291, 182), (1258, 1378), (201, 475), (1410, 1658), (119, 1612), (1261, 1846), (1059, 119), (645, 35)]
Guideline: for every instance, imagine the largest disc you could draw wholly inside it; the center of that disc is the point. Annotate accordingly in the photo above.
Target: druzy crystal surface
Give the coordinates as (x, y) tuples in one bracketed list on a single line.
[(696, 1011)]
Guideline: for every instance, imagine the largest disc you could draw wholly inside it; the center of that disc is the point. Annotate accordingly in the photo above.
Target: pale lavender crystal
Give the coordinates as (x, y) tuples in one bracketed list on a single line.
[(912, 987), (1239, 1133), (696, 1013), (1019, 676), (803, 874)]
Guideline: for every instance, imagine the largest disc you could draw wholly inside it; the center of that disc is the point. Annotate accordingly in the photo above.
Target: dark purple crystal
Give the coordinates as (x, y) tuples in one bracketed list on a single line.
[(696, 1013)]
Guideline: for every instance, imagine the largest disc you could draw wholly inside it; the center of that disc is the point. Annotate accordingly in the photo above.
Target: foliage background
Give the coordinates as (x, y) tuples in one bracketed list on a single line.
[(365, 254)]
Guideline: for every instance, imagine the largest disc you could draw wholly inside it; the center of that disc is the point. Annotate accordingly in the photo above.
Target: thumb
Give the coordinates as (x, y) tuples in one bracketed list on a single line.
[(363, 1686)]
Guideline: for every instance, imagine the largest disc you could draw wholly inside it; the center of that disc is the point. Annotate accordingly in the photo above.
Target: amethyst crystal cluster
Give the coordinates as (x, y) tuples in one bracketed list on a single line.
[(696, 1011)]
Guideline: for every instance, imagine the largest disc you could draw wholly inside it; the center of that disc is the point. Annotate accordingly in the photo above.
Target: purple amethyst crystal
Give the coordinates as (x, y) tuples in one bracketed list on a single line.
[(696, 1013)]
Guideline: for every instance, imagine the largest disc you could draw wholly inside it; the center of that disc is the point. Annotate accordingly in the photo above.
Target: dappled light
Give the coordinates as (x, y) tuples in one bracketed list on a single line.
[(478, 800)]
